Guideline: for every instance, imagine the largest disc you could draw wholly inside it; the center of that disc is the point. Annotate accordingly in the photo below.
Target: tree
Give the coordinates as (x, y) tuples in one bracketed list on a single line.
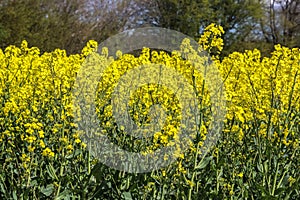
[(281, 23), (238, 18), (66, 24), (17, 21)]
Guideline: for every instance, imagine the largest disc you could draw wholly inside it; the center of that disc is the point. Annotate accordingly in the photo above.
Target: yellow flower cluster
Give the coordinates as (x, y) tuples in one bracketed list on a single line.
[(148, 95), (263, 91), (36, 104), (37, 112), (211, 38), (36, 91)]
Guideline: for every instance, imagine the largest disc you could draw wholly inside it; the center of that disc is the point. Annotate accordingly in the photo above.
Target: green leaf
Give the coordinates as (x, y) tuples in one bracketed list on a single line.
[(76, 153), (33, 183), (2, 189), (47, 191), (203, 163), (280, 191), (15, 195), (97, 172), (260, 167), (51, 171), (127, 195), (66, 194), (262, 189), (220, 174)]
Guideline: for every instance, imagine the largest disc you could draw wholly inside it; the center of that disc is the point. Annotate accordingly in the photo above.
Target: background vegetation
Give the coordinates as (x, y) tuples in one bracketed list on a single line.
[(70, 24)]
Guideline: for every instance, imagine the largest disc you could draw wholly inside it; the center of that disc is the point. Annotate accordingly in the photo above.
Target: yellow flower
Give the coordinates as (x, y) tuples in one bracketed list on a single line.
[(41, 134), (77, 141), (42, 144), (30, 131), (70, 147), (76, 135), (7, 133), (25, 158), (51, 154), (164, 139), (156, 136), (54, 130), (83, 145), (291, 180), (47, 152), (24, 165), (30, 139), (241, 135), (34, 108), (240, 175), (190, 183), (31, 148), (64, 140)]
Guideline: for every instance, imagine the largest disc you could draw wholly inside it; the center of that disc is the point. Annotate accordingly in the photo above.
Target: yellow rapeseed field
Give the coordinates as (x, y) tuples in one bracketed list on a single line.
[(43, 156)]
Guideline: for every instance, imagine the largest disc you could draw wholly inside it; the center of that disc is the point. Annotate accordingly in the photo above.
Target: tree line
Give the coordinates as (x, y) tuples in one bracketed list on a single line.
[(69, 24)]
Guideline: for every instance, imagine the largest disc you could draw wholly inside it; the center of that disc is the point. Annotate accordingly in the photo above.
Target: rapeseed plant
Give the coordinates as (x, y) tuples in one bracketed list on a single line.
[(43, 155)]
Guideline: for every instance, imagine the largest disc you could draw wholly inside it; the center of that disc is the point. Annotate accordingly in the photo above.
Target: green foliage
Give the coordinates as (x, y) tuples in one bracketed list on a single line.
[(18, 22), (55, 24), (238, 18)]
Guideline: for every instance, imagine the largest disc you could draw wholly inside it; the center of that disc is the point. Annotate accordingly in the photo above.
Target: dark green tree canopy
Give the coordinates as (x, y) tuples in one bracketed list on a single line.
[(70, 24), (238, 17), (57, 24)]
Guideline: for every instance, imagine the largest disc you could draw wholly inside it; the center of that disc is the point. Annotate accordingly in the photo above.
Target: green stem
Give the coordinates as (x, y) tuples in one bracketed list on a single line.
[(275, 179)]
